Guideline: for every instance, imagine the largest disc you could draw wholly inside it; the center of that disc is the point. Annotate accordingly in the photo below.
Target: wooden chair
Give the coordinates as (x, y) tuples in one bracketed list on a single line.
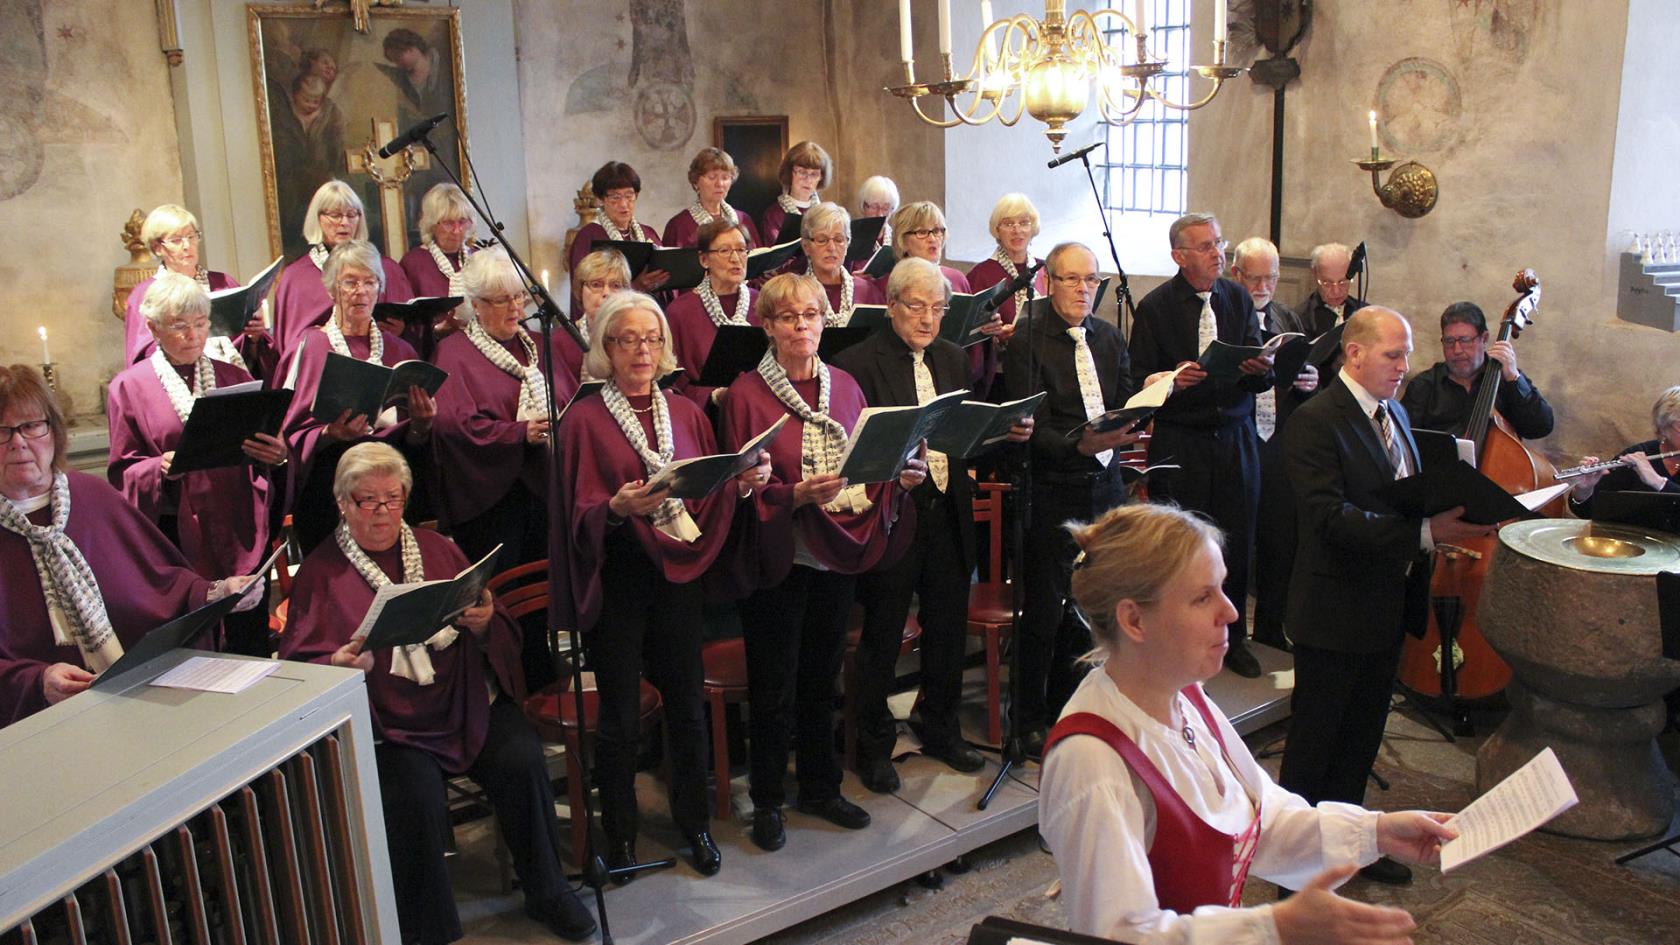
[(553, 713), (282, 575), (991, 608), (725, 667), (908, 638)]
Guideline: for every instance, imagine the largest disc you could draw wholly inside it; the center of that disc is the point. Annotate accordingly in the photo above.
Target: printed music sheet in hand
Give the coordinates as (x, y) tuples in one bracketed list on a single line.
[(700, 476), (222, 420), (231, 308), (365, 388), (404, 614), (1523, 802)]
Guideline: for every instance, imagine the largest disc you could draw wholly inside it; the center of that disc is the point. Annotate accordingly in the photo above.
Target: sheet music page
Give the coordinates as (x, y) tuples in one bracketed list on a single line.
[(1534, 500), (214, 674), (1531, 796), (1155, 394)]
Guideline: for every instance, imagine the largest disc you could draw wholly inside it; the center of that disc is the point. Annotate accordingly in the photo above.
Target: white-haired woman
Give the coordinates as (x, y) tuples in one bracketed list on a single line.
[(877, 197), (440, 709), (711, 173), (1151, 803), (301, 301), (634, 563), (814, 534), (174, 238), (82, 572), (217, 517), (354, 277), (1013, 224), (825, 232)]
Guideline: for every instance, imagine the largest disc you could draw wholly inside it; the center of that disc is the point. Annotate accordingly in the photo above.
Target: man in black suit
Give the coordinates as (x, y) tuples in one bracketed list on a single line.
[(1254, 266), (1330, 302), (908, 363), (1206, 427), (1080, 362), (1361, 576)]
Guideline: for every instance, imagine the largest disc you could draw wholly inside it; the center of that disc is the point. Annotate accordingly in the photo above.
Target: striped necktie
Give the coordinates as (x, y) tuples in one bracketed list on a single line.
[(1391, 443)]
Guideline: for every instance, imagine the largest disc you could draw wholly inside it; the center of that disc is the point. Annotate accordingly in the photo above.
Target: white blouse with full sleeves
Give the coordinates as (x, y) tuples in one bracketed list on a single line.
[(1100, 821)]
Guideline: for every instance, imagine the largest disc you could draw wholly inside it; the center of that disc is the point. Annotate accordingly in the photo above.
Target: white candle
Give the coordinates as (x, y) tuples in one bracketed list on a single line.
[(944, 27), (1142, 23), (1373, 131), (46, 356), (545, 279), (1220, 28), (905, 46), (985, 14)]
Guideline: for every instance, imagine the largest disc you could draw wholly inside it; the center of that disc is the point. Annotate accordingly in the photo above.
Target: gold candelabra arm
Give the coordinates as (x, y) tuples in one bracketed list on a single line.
[(1411, 190)]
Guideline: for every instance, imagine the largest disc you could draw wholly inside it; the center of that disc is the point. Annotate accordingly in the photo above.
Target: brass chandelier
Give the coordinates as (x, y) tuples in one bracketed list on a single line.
[(1046, 68)]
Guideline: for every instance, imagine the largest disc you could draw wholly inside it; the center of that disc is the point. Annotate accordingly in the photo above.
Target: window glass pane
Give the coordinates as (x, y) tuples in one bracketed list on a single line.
[(1146, 162)]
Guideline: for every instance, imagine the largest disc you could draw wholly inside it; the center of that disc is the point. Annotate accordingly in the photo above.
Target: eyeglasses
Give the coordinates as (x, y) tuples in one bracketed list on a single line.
[(619, 196), (1270, 278), (370, 504), (601, 285), (460, 224), (358, 285), (181, 329), (341, 216), (794, 318), (516, 300), (637, 342), (1331, 283), (829, 240), (1217, 246), (31, 430), (807, 173), (1449, 342), (926, 232), (180, 242), (1074, 282), (734, 252), (919, 309), (1015, 225)]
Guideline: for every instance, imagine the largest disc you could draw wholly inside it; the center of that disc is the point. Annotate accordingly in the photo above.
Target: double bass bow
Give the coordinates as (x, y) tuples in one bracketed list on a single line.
[(1474, 670)]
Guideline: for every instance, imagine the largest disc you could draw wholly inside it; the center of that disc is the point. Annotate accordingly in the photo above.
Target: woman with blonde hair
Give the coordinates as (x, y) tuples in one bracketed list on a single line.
[(596, 276), (918, 229), (712, 173), (301, 301), (174, 238), (1153, 807)]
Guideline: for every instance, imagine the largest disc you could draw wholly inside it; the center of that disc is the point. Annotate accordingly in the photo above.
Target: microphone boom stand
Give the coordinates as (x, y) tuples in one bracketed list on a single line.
[(1123, 301), (595, 873)]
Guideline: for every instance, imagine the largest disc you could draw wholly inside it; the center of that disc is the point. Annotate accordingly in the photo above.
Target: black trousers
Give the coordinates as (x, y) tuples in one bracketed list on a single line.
[(511, 770), (1339, 710), (1051, 639), (648, 625), (519, 523), (795, 636), (1274, 543), (1219, 476), (935, 571)]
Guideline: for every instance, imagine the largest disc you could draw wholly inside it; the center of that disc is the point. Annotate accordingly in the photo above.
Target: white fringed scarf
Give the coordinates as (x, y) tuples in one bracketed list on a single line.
[(672, 516), (74, 603), (822, 440), (533, 390), (410, 662), (714, 305), (180, 397)]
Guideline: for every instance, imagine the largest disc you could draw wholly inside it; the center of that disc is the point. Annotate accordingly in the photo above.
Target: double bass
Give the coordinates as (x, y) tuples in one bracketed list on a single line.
[(1474, 670)]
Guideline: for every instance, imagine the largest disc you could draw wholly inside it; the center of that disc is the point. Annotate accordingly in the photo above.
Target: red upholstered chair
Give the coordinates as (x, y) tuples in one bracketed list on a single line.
[(553, 711), (990, 602), (725, 668), (908, 638)]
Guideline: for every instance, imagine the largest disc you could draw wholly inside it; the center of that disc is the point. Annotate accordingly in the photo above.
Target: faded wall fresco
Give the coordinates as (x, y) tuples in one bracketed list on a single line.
[(1489, 94), (86, 135), (641, 81)]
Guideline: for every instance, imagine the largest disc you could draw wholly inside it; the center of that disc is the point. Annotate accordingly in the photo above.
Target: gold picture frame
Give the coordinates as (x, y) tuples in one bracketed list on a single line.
[(329, 96)]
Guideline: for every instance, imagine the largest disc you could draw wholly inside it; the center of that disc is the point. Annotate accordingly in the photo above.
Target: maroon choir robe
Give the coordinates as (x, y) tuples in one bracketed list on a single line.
[(681, 230), (864, 292), (301, 301), (959, 282), (770, 222), (447, 719), (424, 277), (259, 353), (599, 460), (142, 577), (985, 358), (584, 243), (480, 448), (845, 542), (692, 332), (221, 514), (302, 372), (567, 355)]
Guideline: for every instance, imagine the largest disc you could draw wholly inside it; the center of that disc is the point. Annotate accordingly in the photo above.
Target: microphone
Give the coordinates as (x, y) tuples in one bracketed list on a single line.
[(1356, 262), (415, 133), (1021, 282), (1074, 155)]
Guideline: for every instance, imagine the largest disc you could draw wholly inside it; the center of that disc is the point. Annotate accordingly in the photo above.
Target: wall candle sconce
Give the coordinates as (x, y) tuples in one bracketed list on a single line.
[(1411, 190)]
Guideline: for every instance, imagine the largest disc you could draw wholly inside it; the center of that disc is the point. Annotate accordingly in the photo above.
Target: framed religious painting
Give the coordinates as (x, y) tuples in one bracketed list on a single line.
[(332, 87), (757, 143)]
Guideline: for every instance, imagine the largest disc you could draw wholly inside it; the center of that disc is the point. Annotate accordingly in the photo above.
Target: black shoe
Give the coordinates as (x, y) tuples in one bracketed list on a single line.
[(767, 831), (620, 854), (878, 775), (837, 811), (1032, 742), (1239, 660), (1388, 872), (564, 916), (707, 859), (958, 755)]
